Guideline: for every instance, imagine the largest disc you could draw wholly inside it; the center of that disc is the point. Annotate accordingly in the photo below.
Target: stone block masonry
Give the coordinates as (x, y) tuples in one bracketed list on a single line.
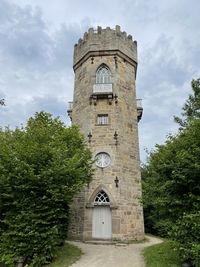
[(119, 216)]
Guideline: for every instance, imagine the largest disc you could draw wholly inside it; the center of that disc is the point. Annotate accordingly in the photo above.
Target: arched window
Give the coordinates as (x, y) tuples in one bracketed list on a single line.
[(103, 75), (101, 197)]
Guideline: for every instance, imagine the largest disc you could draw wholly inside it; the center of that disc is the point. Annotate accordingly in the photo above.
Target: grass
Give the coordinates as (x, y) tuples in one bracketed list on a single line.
[(162, 255), (65, 256)]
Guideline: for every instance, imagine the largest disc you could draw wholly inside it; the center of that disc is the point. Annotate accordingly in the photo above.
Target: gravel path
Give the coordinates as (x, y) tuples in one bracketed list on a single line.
[(119, 255)]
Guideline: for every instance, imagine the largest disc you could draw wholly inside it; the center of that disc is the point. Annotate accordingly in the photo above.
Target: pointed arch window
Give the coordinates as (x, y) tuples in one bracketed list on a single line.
[(103, 75), (101, 197)]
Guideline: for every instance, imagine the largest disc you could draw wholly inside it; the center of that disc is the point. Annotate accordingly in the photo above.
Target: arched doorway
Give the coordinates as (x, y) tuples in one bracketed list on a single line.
[(102, 219)]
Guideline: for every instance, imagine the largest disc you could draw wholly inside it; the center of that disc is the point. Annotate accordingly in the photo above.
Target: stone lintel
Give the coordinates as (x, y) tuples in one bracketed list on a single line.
[(92, 205)]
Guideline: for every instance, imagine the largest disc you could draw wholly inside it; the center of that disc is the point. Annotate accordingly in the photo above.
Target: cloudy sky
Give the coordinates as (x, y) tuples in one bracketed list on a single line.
[(36, 49)]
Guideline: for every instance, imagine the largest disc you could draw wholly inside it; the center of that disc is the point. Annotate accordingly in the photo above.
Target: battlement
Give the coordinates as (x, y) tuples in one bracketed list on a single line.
[(99, 42)]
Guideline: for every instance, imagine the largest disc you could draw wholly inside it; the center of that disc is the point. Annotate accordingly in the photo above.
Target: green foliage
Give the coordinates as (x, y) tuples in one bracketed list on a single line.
[(171, 180), (42, 166), (191, 109), (186, 233), (162, 255)]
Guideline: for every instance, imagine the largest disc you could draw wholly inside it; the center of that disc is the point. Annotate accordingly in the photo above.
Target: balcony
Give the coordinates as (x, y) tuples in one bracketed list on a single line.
[(102, 91), (70, 105), (139, 109), (69, 109), (102, 88)]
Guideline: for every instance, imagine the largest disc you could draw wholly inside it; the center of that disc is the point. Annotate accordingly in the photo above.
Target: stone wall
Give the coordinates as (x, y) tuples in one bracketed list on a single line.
[(127, 213)]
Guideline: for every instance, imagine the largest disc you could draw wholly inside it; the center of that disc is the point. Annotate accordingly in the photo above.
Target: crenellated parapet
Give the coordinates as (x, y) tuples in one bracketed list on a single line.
[(105, 42)]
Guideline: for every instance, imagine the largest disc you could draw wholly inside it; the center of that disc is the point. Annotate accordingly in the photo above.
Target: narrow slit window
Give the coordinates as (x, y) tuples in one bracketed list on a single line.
[(102, 119)]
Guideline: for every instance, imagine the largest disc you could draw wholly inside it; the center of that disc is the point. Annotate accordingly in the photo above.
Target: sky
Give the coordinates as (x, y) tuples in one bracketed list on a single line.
[(37, 38)]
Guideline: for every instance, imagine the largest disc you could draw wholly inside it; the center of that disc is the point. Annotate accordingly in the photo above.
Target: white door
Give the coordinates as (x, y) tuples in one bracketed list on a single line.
[(101, 225)]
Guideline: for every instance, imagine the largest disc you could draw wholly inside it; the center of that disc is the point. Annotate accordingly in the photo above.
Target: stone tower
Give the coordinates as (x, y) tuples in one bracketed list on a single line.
[(105, 109)]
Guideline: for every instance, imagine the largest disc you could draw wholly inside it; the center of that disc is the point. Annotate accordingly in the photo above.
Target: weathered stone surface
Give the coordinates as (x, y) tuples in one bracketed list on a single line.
[(119, 53)]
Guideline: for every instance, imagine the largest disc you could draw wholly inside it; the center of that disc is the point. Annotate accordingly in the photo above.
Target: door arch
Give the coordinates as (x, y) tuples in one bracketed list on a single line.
[(91, 201)]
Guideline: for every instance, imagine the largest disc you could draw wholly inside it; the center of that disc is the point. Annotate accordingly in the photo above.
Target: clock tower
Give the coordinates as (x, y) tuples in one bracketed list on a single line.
[(107, 112)]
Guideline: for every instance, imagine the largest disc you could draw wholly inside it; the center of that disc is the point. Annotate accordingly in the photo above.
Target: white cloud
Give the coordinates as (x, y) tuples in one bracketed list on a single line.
[(36, 50), (37, 65)]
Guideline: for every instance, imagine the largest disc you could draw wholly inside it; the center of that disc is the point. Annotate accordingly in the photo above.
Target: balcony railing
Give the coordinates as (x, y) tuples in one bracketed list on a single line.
[(139, 103), (102, 88), (139, 109), (69, 109), (70, 106)]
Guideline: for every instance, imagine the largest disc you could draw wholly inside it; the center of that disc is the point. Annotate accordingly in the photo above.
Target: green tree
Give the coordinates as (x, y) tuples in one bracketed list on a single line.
[(171, 182), (42, 166), (191, 109), (171, 179)]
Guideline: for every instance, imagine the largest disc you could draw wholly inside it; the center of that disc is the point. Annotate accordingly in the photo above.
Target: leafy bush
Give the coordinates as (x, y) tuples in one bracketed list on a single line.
[(171, 182), (42, 166), (186, 233)]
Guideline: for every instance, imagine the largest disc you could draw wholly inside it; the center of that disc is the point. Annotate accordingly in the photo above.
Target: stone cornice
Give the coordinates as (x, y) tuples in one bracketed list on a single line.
[(106, 53)]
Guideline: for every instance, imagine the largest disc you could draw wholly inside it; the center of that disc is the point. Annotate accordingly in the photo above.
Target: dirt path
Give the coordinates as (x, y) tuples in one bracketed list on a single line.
[(113, 255)]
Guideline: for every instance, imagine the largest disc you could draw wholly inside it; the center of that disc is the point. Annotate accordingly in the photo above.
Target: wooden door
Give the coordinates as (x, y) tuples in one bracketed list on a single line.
[(101, 225)]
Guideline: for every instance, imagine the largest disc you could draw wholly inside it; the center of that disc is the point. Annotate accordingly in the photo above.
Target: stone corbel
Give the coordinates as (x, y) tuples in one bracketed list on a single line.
[(110, 99), (116, 98), (116, 65), (93, 99)]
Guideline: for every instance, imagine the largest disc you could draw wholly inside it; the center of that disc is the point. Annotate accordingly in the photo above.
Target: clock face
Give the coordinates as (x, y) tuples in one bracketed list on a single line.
[(102, 159)]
